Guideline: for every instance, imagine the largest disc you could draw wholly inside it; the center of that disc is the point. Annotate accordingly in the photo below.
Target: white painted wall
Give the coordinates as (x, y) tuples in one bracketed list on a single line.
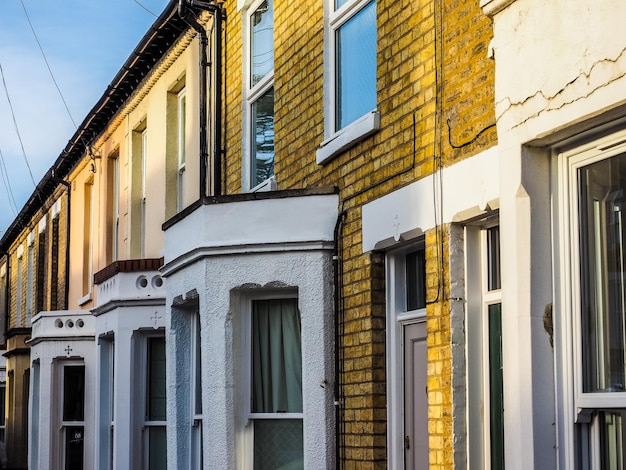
[(272, 245), (53, 333), (132, 302), (560, 71)]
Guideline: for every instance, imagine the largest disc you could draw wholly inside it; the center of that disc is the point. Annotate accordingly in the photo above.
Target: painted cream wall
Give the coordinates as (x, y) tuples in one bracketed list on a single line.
[(560, 72), (148, 104)]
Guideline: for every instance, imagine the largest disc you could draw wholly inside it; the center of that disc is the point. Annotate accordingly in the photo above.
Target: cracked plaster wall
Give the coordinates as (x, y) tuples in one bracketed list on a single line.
[(557, 62)]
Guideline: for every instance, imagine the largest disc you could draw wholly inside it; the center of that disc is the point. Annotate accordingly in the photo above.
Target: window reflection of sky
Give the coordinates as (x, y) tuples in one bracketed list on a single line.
[(263, 148), (262, 57), (356, 66)]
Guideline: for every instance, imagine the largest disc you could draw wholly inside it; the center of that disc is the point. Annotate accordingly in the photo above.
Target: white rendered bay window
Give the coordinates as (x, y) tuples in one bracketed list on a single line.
[(275, 405), (592, 268), (259, 91)]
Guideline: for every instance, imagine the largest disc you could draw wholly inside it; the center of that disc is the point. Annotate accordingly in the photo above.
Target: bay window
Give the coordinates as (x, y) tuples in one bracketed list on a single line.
[(593, 186), (276, 384)]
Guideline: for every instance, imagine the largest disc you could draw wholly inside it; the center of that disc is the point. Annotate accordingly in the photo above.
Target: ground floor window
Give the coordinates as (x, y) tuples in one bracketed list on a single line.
[(592, 206), (149, 393), (73, 415), (276, 384), (483, 337)]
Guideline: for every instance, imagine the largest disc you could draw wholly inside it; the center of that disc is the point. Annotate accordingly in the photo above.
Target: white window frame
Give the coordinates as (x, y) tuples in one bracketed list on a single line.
[(338, 140), (197, 452), (248, 432), (144, 158), (63, 425), (116, 208), (30, 273), (144, 423), (106, 385), (577, 406), (251, 95), (19, 286), (181, 136), (88, 242), (479, 299), (397, 318)]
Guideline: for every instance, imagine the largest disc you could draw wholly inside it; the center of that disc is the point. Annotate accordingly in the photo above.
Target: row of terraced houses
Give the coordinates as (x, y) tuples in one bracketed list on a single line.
[(332, 234)]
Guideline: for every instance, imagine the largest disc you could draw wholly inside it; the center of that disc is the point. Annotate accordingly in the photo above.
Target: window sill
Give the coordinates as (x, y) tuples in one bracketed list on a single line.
[(267, 185), (348, 137), (84, 300), (491, 7)]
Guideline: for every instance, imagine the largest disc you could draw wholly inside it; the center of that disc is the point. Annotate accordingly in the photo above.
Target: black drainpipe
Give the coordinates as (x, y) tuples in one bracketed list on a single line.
[(338, 324), (190, 19), (67, 244)]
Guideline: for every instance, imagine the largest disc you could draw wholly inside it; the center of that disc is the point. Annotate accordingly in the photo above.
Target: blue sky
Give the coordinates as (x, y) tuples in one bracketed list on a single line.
[(85, 42)]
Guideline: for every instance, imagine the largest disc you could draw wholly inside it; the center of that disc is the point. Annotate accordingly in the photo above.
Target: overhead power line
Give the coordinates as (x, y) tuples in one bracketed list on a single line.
[(17, 130), (145, 8), (48, 65)]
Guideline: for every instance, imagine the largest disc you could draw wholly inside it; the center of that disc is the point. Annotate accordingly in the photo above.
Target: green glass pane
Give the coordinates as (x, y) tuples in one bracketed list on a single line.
[(157, 448), (496, 399)]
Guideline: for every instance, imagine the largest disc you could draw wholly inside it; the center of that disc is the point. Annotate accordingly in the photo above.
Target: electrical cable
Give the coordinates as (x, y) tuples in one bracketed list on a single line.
[(48, 65), (145, 8), (17, 130)]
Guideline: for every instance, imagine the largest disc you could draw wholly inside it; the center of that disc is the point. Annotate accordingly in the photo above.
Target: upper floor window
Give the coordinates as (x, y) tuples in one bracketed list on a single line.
[(181, 114), (351, 76), (260, 94), (353, 26), (113, 209)]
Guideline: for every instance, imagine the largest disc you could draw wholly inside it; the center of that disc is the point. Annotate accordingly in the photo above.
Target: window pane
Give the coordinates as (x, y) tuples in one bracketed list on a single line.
[(74, 447), (73, 393), (278, 444), (263, 135), (496, 399), (612, 439), (157, 448), (198, 366), (277, 357), (156, 380), (603, 291), (262, 55), (356, 67), (493, 258), (415, 280)]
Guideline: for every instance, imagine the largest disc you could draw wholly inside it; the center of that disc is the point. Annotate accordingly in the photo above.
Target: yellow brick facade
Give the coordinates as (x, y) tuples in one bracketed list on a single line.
[(434, 93)]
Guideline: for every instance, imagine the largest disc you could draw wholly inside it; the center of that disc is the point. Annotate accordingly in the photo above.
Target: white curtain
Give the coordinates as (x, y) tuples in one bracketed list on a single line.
[(277, 357)]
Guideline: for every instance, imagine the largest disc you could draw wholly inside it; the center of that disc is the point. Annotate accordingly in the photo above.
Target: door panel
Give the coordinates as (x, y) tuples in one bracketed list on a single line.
[(415, 397)]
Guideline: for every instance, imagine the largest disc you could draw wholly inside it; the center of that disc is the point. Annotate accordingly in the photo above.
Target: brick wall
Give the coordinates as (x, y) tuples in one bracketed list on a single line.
[(413, 140)]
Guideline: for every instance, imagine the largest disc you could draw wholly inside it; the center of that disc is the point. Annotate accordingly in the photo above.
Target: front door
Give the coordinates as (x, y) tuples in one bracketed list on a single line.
[(415, 397)]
